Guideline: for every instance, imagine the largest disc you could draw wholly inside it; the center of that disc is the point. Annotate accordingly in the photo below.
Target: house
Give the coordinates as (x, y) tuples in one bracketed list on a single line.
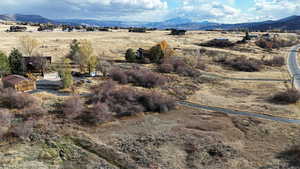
[(178, 32), (17, 29), (140, 30), (19, 83), (36, 64)]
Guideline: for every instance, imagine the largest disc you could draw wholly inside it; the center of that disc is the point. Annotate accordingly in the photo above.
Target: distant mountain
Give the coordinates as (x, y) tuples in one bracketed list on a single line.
[(25, 18), (289, 23), (91, 22)]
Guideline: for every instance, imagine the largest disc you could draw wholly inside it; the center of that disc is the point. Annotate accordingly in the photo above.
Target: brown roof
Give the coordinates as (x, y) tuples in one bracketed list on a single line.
[(13, 79)]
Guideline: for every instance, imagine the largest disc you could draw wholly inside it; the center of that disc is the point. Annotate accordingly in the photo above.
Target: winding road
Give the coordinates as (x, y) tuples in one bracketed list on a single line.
[(293, 66)]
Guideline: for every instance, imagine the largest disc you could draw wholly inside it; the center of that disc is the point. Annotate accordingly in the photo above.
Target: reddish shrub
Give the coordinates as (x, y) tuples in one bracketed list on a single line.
[(12, 99), (127, 101), (157, 102), (287, 97), (73, 107), (166, 68), (275, 61), (139, 77), (119, 76), (5, 121), (34, 111), (178, 66), (241, 63), (100, 113), (23, 129)]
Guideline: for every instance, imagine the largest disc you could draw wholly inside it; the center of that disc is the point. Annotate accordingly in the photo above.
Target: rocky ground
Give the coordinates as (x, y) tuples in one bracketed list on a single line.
[(182, 139)]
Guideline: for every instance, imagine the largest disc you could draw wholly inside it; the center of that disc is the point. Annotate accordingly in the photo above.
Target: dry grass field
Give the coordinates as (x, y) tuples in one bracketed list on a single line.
[(183, 138), (113, 45)]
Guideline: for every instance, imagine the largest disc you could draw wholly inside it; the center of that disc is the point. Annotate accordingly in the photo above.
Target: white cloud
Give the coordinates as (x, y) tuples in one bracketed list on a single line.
[(211, 10), (275, 9), (82, 8)]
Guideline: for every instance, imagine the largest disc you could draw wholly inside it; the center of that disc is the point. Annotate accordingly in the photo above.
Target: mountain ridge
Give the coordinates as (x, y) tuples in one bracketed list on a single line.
[(288, 23)]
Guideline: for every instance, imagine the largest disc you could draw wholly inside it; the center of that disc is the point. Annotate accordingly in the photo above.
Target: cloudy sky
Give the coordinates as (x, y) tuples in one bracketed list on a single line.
[(226, 11)]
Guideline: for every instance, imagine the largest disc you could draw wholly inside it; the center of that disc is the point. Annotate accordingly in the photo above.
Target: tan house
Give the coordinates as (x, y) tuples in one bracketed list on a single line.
[(18, 83)]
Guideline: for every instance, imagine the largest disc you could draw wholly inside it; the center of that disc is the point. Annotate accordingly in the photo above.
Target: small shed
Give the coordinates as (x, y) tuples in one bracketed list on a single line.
[(19, 83)]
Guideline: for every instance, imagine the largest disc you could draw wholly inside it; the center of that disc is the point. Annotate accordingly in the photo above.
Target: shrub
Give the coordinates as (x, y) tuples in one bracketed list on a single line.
[(289, 96), (73, 107), (244, 64), (177, 66), (35, 111), (4, 64), (139, 77), (240, 63), (166, 68), (156, 102), (275, 61), (5, 121), (11, 99), (23, 129), (127, 101), (130, 55), (99, 113), (218, 43), (119, 76), (15, 62)]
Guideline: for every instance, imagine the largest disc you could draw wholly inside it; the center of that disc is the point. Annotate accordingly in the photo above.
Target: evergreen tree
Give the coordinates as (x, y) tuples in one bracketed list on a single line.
[(66, 74), (15, 62), (4, 65)]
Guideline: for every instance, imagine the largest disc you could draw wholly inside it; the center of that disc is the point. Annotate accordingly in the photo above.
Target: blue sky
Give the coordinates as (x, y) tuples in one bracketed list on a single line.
[(225, 11)]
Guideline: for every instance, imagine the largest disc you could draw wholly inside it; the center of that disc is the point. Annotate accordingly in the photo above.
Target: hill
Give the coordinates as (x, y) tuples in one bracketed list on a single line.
[(289, 23)]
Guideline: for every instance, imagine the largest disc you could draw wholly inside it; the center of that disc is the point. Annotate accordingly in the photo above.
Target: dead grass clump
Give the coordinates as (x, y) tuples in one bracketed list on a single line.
[(9, 98), (289, 96), (138, 77)]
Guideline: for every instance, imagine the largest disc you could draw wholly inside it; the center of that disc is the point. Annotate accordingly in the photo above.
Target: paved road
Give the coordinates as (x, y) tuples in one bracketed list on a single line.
[(240, 113), (293, 66)]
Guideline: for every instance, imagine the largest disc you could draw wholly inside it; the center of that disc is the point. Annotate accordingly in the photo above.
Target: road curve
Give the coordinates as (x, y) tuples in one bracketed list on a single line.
[(240, 113), (293, 66)]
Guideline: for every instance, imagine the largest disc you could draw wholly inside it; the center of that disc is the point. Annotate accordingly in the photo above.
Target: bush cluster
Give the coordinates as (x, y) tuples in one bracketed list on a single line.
[(275, 61), (289, 96), (9, 98), (127, 101), (138, 77), (108, 100), (240, 63), (178, 66), (218, 43), (275, 43)]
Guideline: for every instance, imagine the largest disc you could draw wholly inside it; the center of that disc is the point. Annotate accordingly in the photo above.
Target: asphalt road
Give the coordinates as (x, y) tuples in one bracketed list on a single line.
[(293, 66)]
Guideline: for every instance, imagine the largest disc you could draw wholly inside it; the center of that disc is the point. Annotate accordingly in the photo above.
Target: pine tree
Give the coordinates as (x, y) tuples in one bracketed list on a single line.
[(4, 65), (15, 62), (66, 74)]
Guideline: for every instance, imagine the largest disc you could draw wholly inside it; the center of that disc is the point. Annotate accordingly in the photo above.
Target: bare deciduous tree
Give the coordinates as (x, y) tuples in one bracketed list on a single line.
[(28, 45)]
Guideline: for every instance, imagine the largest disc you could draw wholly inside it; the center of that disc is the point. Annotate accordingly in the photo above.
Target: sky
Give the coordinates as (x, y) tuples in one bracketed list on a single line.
[(222, 11)]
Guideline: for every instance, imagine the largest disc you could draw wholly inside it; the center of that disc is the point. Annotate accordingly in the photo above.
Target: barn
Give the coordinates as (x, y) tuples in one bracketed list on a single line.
[(19, 83)]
